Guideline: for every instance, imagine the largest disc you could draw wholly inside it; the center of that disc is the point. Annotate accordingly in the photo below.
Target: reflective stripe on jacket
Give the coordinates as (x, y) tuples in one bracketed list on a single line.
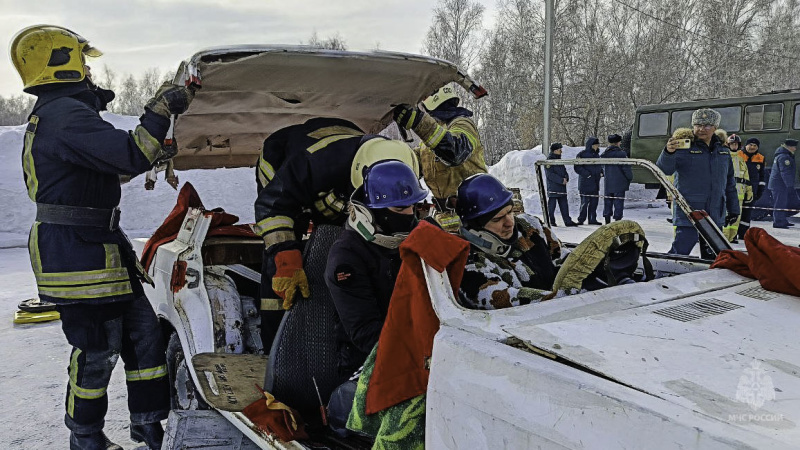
[(71, 156), (304, 167), (442, 179)]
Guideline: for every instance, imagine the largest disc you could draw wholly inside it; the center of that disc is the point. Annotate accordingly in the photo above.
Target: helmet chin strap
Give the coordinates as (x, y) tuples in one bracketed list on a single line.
[(361, 220), (488, 241)]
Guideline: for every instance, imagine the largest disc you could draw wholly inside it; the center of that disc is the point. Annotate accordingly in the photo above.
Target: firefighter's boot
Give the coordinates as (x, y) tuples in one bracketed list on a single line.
[(93, 441), (152, 434)]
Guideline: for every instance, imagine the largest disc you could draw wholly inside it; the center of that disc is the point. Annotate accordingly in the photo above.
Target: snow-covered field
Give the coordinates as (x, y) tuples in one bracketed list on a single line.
[(34, 357)]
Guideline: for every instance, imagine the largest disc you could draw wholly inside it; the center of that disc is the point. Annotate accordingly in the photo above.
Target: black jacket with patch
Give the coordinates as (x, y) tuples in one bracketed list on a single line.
[(361, 279)]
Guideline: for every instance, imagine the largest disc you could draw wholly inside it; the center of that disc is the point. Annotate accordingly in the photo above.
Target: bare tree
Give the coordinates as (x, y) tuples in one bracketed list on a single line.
[(15, 110), (455, 32), (612, 56), (335, 42)]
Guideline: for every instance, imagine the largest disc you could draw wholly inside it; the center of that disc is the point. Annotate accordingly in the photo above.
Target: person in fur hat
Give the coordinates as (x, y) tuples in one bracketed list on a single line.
[(704, 176)]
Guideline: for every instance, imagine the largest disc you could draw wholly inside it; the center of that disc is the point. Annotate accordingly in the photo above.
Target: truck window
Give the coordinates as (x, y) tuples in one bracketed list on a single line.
[(796, 125), (763, 117), (653, 124), (681, 119), (731, 118), (730, 122)]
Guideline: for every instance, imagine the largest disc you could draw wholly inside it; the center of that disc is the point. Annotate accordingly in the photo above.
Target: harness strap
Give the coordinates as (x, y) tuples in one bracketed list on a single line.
[(78, 216)]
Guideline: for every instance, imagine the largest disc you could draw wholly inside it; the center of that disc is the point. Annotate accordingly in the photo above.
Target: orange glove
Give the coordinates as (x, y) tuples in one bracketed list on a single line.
[(289, 276)]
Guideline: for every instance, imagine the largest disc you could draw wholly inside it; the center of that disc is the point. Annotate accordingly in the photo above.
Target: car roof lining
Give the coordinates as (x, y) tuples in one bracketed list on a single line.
[(248, 94)]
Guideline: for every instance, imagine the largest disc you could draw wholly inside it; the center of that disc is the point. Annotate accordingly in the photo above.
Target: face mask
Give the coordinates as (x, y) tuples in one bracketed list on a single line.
[(390, 222)]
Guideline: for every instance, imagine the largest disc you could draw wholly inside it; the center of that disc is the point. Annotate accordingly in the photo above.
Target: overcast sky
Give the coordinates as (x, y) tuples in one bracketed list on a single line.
[(135, 35)]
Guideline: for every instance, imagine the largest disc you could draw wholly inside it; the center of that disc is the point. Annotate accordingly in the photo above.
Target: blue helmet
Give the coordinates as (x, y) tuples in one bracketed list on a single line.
[(481, 194), (391, 183)]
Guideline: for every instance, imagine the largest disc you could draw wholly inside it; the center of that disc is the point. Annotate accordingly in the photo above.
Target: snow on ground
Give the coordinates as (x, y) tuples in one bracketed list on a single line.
[(33, 373)]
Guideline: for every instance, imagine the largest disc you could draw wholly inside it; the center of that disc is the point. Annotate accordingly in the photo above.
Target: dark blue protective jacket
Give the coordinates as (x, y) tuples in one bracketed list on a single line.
[(556, 187), (704, 176), (589, 176), (756, 169), (782, 174), (302, 168), (618, 178), (73, 157)]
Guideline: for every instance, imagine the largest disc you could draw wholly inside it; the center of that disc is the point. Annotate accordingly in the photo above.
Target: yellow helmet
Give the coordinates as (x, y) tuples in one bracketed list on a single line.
[(47, 54), (380, 149), (444, 94)]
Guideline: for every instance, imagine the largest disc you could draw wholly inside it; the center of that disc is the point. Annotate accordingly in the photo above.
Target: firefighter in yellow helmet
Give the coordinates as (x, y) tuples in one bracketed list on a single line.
[(451, 148), (83, 262)]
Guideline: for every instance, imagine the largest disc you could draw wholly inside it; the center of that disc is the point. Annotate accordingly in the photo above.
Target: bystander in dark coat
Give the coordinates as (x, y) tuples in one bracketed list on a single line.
[(618, 180), (589, 182)]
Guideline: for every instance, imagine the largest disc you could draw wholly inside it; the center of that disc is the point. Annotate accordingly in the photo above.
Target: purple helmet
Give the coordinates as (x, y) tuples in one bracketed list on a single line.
[(391, 183), (481, 194)]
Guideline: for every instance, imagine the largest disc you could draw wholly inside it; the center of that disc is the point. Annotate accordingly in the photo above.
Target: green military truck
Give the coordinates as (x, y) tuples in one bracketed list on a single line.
[(770, 117)]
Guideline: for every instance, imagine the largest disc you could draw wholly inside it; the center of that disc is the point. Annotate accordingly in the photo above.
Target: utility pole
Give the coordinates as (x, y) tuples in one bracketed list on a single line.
[(548, 72)]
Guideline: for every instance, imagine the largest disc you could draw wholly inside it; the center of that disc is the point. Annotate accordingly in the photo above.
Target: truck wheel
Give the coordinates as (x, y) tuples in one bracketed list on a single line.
[(182, 391)]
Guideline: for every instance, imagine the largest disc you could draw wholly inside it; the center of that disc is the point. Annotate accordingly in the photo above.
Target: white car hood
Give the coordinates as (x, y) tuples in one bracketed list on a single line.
[(732, 354)]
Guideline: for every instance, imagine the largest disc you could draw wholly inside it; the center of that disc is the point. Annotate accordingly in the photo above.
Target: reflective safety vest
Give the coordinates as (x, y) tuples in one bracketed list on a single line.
[(743, 188), (72, 157)]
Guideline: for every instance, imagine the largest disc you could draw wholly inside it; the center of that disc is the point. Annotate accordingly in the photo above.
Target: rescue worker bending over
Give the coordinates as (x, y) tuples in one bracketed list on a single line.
[(83, 262), (363, 263), (511, 258), (451, 148), (304, 174)]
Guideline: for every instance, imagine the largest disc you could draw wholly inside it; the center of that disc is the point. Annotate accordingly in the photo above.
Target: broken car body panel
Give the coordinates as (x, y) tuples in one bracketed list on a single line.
[(557, 374)]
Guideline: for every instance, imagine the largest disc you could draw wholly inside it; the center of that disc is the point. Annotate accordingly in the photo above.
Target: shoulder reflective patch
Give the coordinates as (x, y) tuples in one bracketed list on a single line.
[(343, 274), (321, 133)]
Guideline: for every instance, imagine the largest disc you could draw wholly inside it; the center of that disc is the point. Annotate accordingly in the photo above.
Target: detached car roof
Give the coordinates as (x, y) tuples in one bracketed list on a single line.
[(249, 92)]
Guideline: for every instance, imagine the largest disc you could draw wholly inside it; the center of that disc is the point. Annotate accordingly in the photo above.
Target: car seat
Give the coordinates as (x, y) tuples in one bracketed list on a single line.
[(304, 349), (607, 257)]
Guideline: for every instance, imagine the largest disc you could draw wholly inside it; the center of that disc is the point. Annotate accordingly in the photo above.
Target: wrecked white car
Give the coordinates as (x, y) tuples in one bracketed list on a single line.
[(694, 358)]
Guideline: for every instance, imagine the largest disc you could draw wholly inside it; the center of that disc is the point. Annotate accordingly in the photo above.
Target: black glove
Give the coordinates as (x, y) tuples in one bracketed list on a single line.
[(731, 219), (407, 116), (759, 193), (170, 99)]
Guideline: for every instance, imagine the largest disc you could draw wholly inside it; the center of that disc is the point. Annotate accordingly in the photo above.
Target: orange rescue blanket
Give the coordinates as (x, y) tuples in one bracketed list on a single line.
[(775, 265)]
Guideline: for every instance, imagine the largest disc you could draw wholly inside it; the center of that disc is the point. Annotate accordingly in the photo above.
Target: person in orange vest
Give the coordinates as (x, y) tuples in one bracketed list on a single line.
[(756, 168)]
